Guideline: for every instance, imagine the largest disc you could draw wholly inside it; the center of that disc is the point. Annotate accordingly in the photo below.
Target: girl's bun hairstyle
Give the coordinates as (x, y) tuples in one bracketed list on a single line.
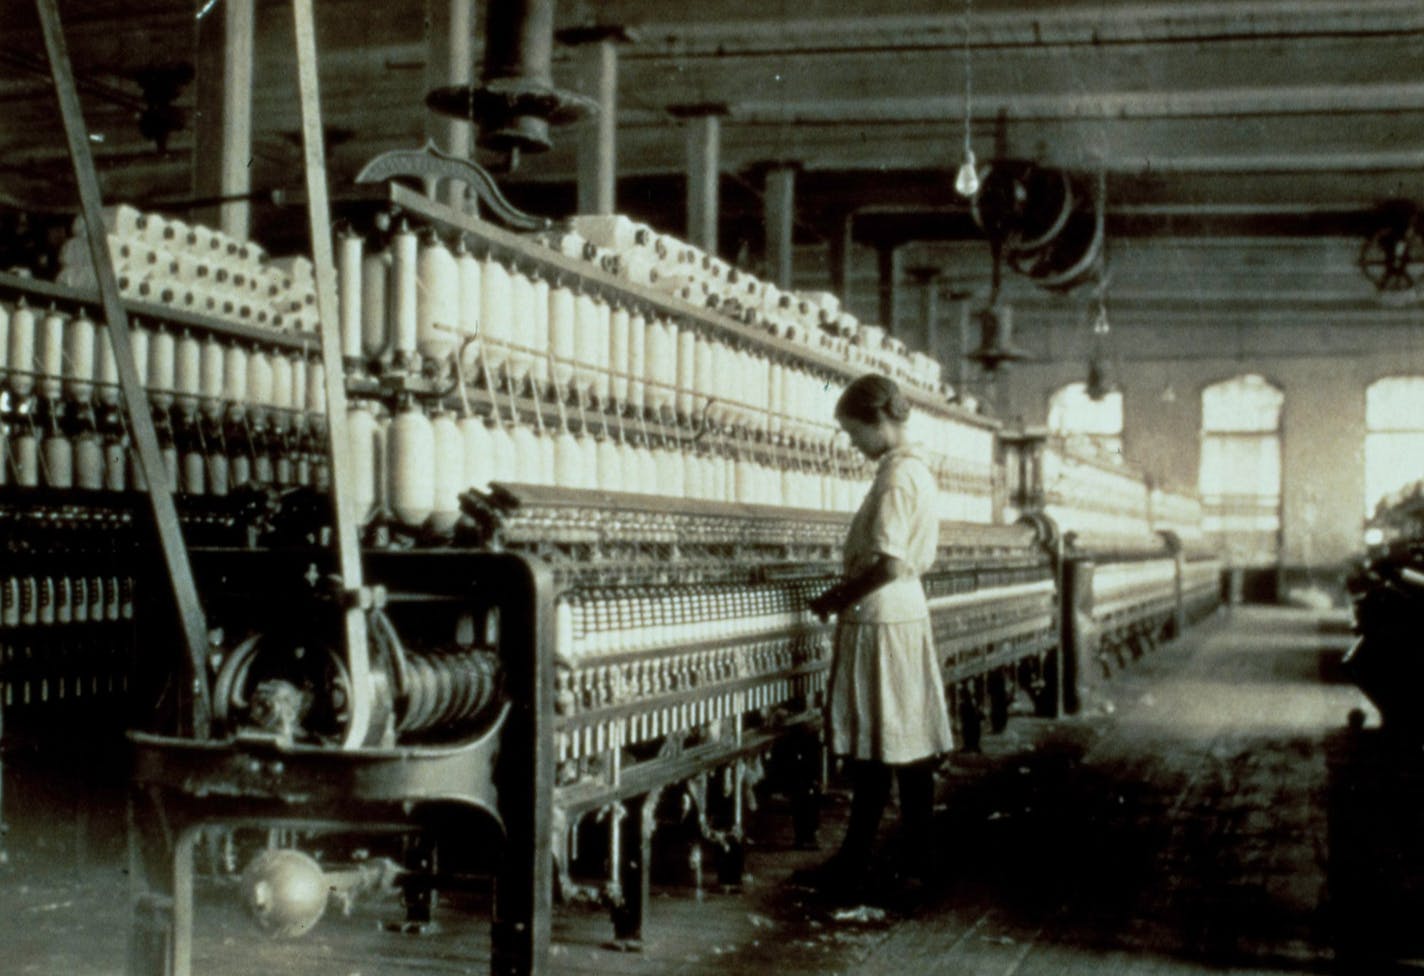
[(871, 397)]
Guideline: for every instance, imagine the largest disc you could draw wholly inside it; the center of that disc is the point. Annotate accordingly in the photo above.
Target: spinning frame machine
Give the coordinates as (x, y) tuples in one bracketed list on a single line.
[(548, 660)]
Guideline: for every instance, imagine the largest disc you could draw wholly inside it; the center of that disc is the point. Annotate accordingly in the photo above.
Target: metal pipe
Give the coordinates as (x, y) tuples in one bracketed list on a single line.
[(1048, 26), (519, 42), (1214, 102), (780, 210), (450, 42), (236, 164)]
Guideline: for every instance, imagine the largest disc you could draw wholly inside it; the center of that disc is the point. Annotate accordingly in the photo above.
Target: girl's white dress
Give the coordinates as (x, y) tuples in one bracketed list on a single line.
[(886, 696)]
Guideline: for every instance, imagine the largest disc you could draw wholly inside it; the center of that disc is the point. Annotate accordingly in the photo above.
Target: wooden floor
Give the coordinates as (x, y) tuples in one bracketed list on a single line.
[(1211, 812)]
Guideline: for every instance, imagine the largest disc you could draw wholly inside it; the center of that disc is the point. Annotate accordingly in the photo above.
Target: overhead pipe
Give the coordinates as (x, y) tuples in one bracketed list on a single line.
[(1062, 26), (516, 101)]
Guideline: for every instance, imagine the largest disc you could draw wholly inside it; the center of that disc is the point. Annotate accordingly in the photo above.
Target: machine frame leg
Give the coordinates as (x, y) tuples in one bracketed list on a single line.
[(634, 870)]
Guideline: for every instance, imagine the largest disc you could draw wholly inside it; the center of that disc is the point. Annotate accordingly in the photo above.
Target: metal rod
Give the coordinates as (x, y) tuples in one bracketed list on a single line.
[(704, 140), (348, 552), (192, 621), (236, 165), (597, 149), (780, 211)]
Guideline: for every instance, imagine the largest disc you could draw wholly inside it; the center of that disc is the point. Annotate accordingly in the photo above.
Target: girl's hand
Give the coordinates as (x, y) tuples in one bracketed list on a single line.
[(828, 603)]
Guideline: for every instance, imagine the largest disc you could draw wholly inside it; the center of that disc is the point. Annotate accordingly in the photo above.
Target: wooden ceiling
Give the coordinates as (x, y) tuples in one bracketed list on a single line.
[(1216, 118)]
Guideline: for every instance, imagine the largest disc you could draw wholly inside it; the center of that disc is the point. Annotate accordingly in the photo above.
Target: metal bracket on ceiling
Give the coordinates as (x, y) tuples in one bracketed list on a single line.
[(430, 163)]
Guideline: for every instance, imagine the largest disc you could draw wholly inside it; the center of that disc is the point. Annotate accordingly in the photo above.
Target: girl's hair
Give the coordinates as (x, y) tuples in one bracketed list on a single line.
[(871, 397)]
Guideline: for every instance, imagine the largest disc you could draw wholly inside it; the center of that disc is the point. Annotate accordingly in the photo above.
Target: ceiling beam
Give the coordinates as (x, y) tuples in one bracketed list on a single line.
[(1026, 107), (713, 29)]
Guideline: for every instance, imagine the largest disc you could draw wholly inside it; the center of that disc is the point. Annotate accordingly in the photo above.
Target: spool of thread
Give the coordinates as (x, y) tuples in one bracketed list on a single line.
[(259, 380), (438, 305), (375, 314), (502, 464), (588, 460), (706, 377), (476, 435), (637, 363), (236, 366), (601, 350), (4, 339), (162, 368), (210, 385), (496, 308), (528, 455), (610, 470), (89, 462), (522, 325), (51, 354), (24, 455), (585, 343), (188, 372), (661, 356), (469, 270), (568, 461), (350, 285), (21, 350), (539, 337), (628, 468), (613, 231), (79, 353), (562, 331), (671, 477), (280, 397), (218, 472), (449, 473), (298, 398), (315, 389), (115, 465), (404, 293), (194, 472), (687, 341), (546, 458), (106, 372), (239, 469), (58, 461), (410, 452), (620, 335)]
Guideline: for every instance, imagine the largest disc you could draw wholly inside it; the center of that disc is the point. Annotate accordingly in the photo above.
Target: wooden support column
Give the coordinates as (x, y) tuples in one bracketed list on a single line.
[(926, 278), (779, 213), (704, 150), (222, 154), (961, 362), (449, 62), (841, 246), (889, 261), (597, 149)]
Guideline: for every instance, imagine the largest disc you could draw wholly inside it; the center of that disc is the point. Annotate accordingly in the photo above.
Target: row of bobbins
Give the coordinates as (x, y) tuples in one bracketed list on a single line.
[(228, 412)]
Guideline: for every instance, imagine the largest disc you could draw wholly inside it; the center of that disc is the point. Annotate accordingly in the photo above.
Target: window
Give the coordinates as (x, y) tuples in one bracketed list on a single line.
[(1240, 476), (1087, 423), (1394, 436)]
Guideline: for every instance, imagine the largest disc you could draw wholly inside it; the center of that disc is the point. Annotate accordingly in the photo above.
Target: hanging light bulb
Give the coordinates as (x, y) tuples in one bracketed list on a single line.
[(966, 181), (1100, 321)]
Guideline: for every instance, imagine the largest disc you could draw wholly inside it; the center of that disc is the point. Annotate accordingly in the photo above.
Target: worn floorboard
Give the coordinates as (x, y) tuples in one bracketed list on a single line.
[(1210, 812)]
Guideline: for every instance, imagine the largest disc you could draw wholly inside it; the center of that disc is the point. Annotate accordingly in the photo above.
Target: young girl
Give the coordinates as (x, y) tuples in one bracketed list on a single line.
[(886, 708)]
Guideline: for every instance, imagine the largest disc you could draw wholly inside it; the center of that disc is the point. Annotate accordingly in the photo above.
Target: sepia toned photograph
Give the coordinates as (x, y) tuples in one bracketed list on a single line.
[(649, 488)]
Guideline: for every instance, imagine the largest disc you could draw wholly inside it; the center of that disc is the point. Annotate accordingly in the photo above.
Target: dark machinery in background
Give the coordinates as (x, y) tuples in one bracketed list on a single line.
[(1048, 225), (1387, 599), (1392, 258)]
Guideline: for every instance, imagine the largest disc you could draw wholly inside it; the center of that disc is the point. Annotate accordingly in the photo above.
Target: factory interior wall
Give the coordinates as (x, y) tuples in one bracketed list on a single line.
[(1323, 373)]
